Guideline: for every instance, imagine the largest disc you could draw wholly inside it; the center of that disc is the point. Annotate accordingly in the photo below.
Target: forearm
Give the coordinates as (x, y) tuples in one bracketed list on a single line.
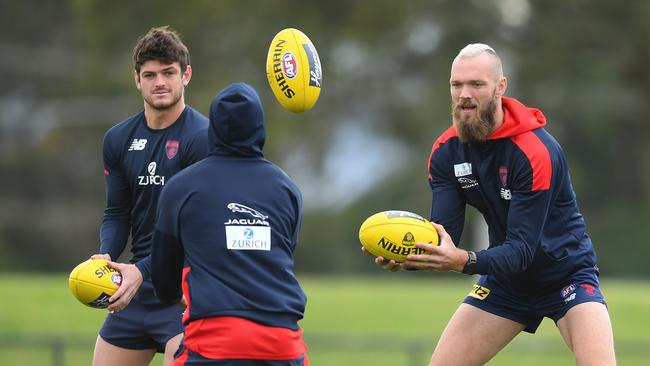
[(507, 258), (114, 235)]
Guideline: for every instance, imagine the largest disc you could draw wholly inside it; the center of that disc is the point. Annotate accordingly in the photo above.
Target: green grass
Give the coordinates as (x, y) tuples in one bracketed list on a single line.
[(386, 320)]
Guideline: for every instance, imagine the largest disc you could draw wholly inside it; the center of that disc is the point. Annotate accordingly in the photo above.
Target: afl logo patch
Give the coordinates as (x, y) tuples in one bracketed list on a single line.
[(289, 65)]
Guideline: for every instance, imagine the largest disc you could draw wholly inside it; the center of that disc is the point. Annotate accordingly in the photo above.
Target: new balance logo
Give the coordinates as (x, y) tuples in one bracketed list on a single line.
[(138, 144)]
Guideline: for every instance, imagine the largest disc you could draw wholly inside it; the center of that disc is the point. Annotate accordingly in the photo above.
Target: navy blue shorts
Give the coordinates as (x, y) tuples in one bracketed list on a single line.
[(185, 357), (143, 326), (531, 308)]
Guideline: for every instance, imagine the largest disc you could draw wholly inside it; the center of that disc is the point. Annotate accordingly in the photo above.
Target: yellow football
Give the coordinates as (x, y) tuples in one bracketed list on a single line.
[(393, 234), (294, 71), (93, 282)]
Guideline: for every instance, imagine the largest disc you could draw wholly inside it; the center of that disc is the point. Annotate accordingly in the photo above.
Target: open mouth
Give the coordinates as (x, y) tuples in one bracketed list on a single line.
[(467, 108)]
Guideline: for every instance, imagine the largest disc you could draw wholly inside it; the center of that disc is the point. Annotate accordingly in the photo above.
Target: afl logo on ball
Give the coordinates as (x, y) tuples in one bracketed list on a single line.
[(289, 65)]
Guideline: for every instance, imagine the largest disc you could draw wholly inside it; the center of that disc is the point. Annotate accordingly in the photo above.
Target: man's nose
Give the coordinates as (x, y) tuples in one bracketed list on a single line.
[(160, 80), (465, 92)]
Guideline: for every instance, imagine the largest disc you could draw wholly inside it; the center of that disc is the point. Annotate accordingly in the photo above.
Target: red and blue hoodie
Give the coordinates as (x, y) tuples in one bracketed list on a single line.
[(519, 180), (226, 233)]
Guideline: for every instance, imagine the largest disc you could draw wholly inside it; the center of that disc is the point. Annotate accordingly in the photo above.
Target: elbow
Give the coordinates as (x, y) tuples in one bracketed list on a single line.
[(522, 260)]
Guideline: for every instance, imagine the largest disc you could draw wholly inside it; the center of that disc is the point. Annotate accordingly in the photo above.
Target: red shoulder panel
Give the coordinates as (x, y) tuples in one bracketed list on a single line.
[(449, 133), (539, 157)]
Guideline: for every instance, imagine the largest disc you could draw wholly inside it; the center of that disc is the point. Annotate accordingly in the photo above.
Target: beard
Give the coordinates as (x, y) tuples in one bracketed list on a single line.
[(474, 128), (164, 104)]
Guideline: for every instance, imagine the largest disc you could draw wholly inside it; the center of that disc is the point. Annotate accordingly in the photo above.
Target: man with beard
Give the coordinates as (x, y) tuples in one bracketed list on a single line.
[(498, 158), (141, 154)]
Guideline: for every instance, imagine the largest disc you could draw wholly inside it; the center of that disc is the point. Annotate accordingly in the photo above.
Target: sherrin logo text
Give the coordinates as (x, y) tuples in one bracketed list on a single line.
[(278, 68), (397, 249)]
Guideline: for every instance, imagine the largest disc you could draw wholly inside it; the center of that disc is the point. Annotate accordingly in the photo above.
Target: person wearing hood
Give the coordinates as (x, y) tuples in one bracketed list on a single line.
[(540, 262), (225, 236)]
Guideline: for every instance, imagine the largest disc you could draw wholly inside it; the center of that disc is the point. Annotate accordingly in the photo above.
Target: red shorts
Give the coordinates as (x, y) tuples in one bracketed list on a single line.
[(232, 338)]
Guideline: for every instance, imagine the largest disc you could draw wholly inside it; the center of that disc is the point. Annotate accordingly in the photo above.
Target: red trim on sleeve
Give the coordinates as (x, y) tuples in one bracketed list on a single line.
[(539, 158), (238, 338), (449, 133), (186, 293)]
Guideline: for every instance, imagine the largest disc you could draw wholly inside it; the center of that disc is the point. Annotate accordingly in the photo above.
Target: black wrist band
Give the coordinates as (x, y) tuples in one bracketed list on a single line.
[(470, 266)]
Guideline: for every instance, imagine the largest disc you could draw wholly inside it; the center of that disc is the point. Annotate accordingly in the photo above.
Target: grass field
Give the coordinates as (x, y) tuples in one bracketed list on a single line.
[(386, 320)]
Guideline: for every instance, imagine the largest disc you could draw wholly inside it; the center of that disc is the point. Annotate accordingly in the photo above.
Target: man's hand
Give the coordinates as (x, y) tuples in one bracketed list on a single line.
[(445, 257), (101, 256), (131, 281), (389, 265)]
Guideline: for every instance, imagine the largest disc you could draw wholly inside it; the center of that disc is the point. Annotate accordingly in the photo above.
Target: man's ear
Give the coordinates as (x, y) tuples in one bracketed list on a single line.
[(187, 75), (502, 85), (136, 78)]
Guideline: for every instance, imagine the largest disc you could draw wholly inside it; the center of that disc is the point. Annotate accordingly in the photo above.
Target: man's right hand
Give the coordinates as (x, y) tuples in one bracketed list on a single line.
[(388, 265), (101, 256)]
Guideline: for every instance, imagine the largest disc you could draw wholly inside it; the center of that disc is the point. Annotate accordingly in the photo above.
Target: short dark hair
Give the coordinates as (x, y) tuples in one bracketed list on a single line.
[(162, 44)]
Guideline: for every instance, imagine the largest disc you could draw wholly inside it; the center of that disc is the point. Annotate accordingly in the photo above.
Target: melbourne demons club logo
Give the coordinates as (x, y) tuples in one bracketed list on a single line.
[(503, 174), (289, 65), (503, 177), (171, 148)]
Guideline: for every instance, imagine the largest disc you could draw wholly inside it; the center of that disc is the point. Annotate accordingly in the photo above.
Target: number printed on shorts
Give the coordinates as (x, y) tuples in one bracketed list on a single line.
[(479, 292)]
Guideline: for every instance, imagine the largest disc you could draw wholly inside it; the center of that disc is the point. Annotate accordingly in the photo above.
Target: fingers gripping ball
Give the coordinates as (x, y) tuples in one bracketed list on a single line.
[(293, 70), (93, 282), (393, 234)]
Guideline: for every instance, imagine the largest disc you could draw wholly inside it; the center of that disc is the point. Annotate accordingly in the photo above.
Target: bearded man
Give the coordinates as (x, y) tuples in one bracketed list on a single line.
[(540, 262)]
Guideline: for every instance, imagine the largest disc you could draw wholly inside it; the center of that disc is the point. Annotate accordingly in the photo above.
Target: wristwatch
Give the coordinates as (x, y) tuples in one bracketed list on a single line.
[(470, 265)]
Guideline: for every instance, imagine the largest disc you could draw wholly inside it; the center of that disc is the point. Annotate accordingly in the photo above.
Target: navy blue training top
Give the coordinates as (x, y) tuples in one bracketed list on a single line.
[(138, 162), (227, 227), (519, 180)]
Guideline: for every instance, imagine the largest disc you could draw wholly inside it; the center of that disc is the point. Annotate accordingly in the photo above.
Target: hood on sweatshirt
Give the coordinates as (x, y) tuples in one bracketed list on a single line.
[(517, 119), (236, 122)]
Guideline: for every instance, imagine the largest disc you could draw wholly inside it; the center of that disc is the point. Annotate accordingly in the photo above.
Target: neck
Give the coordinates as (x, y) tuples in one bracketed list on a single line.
[(158, 119)]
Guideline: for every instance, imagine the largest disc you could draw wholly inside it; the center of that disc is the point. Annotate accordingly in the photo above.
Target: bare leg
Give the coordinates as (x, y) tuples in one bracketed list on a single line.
[(587, 331), (472, 337), (107, 354), (170, 348)]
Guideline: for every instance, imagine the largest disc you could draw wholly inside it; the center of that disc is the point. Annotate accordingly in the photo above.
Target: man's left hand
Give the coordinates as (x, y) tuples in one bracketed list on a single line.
[(438, 258), (131, 281)]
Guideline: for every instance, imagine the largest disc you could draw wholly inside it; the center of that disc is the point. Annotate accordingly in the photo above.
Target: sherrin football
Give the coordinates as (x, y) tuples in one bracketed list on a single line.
[(93, 282), (393, 234), (294, 71)]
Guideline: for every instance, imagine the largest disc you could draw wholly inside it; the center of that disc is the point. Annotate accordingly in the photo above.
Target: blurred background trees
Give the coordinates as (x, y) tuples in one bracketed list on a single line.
[(67, 78)]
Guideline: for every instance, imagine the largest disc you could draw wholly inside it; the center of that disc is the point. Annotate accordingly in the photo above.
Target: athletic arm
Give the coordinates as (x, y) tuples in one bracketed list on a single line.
[(526, 218), (116, 224), (533, 175), (447, 216), (167, 253)]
